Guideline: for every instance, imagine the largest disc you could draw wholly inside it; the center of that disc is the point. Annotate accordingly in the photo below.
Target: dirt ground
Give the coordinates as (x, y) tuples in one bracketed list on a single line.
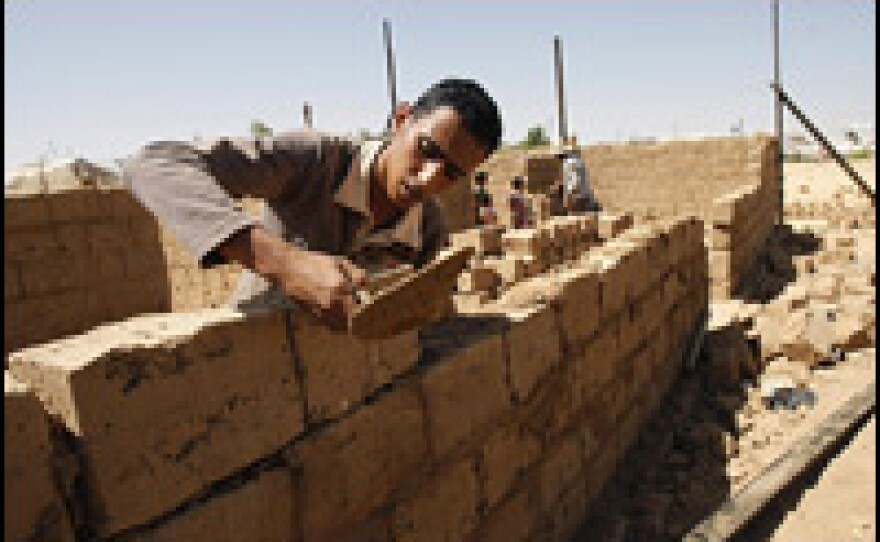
[(841, 505)]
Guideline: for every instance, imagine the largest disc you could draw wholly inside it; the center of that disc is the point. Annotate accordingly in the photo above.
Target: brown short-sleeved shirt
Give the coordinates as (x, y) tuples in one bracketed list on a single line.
[(316, 192)]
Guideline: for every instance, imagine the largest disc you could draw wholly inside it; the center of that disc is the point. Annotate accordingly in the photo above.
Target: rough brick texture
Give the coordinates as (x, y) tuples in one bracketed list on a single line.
[(165, 405), (33, 509), (78, 254), (501, 422)]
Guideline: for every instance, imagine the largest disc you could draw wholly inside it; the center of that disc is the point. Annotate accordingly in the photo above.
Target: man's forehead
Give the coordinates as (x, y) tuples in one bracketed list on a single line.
[(445, 127)]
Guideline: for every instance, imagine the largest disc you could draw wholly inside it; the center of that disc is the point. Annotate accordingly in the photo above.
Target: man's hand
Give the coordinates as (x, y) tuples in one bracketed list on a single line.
[(325, 284)]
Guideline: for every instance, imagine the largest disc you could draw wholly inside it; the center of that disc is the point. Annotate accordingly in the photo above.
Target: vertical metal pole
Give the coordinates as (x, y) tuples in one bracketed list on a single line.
[(560, 94), (307, 115), (389, 57), (778, 112)]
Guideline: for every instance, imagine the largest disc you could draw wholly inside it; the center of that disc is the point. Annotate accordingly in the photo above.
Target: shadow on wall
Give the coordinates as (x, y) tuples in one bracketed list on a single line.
[(678, 470), (775, 267)]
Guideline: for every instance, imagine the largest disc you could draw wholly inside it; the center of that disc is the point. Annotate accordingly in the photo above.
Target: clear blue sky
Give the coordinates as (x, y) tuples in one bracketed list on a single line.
[(99, 78)]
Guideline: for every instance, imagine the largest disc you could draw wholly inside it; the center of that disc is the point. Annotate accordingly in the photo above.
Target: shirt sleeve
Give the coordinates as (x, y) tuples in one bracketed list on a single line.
[(191, 187)]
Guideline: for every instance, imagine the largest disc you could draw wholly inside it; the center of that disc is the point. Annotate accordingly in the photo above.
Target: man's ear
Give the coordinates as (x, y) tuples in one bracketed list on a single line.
[(402, 113)]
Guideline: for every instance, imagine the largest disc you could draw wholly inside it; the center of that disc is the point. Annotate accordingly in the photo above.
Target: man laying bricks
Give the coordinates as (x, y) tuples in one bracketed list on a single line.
[(329, 202)]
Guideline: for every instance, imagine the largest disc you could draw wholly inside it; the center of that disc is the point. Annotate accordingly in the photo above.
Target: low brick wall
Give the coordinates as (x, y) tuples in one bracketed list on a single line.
[(500, 423), (728, 182), (77, 255)]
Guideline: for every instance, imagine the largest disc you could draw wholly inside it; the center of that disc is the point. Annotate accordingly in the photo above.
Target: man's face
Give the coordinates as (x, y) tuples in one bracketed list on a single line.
[(428, 155)]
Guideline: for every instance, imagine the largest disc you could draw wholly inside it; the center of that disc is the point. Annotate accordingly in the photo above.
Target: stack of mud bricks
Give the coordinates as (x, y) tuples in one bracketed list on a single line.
[(76, 256), (742, 220), (503, 257), (497, 425)]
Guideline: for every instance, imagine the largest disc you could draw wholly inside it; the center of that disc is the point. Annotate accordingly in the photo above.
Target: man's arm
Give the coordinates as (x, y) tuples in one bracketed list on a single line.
[(325, 283), (190, 188)]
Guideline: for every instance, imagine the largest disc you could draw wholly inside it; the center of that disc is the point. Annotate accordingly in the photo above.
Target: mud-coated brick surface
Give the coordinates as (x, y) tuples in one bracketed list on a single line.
[(32, 507), (162, 406)]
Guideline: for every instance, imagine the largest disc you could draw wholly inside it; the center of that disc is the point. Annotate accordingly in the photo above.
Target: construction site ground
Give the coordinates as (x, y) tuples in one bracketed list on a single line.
[(712, 437)]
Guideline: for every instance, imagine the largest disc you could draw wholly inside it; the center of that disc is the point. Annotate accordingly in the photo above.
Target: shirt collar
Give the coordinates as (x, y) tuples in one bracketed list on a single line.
[(354, 193)]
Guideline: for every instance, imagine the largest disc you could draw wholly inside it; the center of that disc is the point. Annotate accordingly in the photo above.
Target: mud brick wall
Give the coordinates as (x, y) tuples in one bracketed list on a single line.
[(678, 177), (496, 424), (708, 178), (33, 508), (78, 255), (742, 221)]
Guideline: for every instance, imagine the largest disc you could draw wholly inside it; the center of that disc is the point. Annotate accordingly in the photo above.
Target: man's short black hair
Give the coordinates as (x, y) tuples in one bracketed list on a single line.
[(477, 109)]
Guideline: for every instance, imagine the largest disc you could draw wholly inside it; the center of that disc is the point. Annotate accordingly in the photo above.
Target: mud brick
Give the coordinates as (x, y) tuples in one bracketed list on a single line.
[(510, 269), (142, 231), (596, 365), (721, 237), (483, 239), (612, 290), (589, 227), (33, 509), (41, 277), (107, 236), (628, 428), (636, 267), (568, 513), (529, 242), (561, 466), (478, 279), (31, 244), (506, 455), (392, 357), (376, 528), (259, 510), (464, 387), (12, 282), (514, 520), (579, 304), (159, 405), (72, 205), (73, 237), (470, 302), (694, 239), (336, 369), (542, 207), (109, 265), (642, 362), (612, 225), (140, 263), (542, 171), (24, 209), (444, 508), (349, 469), (532, 347)]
